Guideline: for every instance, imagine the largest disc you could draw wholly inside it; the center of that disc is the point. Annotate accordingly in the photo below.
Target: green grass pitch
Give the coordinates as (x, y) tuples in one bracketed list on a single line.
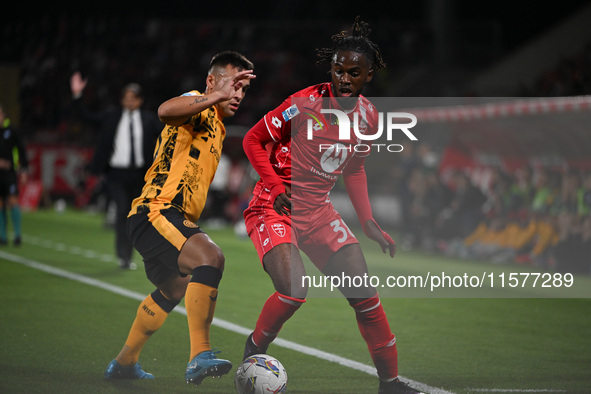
[(57, 335)]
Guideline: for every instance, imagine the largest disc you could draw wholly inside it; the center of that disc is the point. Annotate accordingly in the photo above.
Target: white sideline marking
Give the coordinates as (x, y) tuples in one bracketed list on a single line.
[(75, 250), (217, 322), (517, 390)]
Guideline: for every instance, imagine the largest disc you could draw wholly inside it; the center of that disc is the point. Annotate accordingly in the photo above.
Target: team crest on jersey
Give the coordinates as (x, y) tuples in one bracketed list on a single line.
[(279, 229), (190, 224), (290, 113), (362, 127)]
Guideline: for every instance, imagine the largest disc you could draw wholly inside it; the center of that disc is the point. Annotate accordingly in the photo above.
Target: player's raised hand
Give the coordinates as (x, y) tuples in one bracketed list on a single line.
[(374, 232), (229, 85), (77, 84)]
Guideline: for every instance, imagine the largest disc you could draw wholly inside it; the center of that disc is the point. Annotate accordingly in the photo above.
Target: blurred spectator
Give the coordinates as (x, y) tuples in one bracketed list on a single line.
[(419, 212), (123, 154), (584, 195), (464, 212), (545, 191), (428, 196), (567, 199), (573, 249), (498, 194), (214, 214)]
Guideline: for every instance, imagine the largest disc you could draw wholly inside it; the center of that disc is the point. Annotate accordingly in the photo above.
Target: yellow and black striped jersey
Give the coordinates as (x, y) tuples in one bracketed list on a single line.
[(185, 161)]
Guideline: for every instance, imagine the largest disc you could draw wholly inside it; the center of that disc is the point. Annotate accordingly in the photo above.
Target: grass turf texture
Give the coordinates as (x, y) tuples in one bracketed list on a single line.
[(58, 335)]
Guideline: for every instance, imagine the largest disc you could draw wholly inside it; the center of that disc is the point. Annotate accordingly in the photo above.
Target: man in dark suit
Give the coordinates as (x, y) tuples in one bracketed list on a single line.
[(123, 153)]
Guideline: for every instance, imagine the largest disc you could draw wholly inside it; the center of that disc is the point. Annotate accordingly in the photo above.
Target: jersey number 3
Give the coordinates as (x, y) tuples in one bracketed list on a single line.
[(338, 226)]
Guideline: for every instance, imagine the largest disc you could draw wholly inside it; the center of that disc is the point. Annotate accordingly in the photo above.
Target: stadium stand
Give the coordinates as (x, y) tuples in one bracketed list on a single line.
[(531, 212)]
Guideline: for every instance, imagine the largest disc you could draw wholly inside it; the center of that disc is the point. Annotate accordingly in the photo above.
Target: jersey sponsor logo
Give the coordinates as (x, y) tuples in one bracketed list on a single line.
[(190, 224), (290, 113), (279, 229), (215, 153), (333, 157)]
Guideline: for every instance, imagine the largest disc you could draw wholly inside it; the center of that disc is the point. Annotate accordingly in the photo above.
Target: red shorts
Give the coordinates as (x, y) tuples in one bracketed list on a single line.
[(318, 232)]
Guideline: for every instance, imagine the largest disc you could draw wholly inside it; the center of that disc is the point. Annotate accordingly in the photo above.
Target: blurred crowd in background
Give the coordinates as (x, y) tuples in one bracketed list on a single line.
[(533, 216)]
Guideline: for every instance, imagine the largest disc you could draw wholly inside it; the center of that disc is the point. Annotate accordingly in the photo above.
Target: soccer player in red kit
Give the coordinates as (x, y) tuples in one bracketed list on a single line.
[(290, 210)]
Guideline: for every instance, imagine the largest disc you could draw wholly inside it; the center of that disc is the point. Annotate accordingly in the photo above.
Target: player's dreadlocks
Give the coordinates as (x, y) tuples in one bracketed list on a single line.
[(357, 41)]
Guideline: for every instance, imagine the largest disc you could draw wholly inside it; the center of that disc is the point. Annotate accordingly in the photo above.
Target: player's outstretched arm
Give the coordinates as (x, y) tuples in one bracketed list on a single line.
[(177, 110), (254, 144), (356, 185)]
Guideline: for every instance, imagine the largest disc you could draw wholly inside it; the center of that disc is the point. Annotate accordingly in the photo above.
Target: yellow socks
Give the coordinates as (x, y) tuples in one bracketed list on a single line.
[(200, 302), (150, 315)]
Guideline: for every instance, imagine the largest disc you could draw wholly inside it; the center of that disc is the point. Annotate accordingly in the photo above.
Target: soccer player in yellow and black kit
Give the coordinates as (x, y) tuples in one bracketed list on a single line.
[(180, 259)]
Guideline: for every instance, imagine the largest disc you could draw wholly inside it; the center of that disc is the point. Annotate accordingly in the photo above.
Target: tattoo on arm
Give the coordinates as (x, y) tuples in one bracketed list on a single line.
[(199, 100)]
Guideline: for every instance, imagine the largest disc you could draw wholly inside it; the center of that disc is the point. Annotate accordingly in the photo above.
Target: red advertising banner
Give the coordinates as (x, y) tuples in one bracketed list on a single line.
[(58, 169)]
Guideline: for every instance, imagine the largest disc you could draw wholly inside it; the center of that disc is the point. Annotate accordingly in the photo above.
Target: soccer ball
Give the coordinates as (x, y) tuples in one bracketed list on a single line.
[(260, 374)]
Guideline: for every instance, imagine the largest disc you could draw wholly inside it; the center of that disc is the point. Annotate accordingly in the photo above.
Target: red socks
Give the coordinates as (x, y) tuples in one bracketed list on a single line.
[(277, 310), (371, 319), (375, 329)]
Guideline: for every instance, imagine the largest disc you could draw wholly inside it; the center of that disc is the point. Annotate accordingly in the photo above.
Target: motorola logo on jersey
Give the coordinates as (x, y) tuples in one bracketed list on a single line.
[(333, 157)]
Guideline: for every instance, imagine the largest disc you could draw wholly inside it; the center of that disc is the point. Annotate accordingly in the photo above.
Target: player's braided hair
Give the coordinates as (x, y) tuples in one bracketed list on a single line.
[(357, 41)]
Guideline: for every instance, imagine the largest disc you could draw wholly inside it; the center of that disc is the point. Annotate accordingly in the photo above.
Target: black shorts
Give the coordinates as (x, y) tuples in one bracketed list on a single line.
[(159, 236), (8, 183)]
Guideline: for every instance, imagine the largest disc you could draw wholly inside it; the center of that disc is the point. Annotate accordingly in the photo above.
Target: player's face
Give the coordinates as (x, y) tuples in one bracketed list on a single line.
[(229, 107), (350, 71)]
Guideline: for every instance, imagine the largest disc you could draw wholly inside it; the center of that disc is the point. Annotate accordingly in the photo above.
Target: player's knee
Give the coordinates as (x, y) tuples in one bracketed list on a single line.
[(300, 292), (174, 291), (216, 258), (364, 301), (301, 288), (175, 295), (291, 288), (197, 253)]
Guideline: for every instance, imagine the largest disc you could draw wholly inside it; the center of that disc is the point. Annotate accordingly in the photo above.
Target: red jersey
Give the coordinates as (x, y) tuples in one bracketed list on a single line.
[(304, 148)]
